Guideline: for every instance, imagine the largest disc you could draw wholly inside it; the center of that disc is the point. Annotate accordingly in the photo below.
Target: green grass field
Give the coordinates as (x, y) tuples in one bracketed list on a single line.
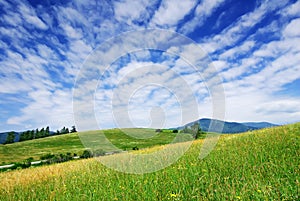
[(71, 143), (259, 165)]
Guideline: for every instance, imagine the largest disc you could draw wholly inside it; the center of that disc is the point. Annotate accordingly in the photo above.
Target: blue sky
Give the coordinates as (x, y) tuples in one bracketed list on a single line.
[(44, 45)]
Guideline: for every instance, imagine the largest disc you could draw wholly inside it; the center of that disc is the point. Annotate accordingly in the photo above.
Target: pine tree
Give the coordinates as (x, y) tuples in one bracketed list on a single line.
[(31, 135), (36, 134), (47, 132), (42, 132), (22, 136), (73, 130), (10, 138)]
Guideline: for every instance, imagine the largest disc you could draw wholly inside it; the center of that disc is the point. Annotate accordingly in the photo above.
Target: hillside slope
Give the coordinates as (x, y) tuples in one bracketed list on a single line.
[(71, 143), (259, 165)]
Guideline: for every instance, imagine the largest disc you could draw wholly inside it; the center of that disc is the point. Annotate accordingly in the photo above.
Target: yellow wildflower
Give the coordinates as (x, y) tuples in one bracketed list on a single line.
[(173, 195)]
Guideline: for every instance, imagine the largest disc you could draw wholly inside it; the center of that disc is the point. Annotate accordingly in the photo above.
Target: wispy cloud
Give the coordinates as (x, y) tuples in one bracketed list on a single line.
[(43, 49), (204, 10), (171, 12)]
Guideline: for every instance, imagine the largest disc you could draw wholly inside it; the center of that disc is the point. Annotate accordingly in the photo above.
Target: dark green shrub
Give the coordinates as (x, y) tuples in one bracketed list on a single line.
[(47, 156), (98, 152), (87, 154)]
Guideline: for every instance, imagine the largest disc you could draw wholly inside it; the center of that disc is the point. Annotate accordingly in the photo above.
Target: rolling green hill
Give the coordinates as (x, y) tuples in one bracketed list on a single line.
[(258, 165), (124, 139)]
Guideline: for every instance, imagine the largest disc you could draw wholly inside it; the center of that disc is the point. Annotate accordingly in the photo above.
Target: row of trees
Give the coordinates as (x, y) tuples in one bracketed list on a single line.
[(35, 134), (65, 130)]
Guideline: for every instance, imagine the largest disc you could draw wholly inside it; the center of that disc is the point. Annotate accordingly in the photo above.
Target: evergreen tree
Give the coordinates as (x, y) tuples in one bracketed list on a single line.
[(47, 132), (36, 134), (10, 138), (63, 130), (31, 135), (73, 130), (23, 137), (42, 133)]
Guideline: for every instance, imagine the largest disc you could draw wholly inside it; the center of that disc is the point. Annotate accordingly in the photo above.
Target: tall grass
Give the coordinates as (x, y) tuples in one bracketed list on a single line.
[(260, 165)]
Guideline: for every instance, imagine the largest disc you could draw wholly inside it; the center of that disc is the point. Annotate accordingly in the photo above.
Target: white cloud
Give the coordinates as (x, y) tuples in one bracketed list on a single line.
[(46, 52), (257, 106), (30, 17), (286, 106), (237, 50), (238, 69), (132, 80), (72, 33), (292, 29), (13, 19), (171, 12), (232, 34), (46, 108), (292, 10), (129, 11), (43, 66), (36, 21), (202, 12), (5, 4), (70, 15)]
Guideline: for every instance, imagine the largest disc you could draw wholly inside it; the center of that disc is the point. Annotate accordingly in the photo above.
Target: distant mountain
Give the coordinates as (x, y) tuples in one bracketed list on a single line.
[(259, 124), (4, 135), (229, 127)]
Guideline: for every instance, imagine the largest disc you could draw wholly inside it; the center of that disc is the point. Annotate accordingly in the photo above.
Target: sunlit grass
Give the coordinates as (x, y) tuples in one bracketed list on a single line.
[(124, 139), (260, 165)]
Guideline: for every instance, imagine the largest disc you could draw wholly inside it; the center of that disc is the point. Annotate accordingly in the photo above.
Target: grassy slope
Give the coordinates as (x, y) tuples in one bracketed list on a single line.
[(263, 165), (35, 148), (17, 152)]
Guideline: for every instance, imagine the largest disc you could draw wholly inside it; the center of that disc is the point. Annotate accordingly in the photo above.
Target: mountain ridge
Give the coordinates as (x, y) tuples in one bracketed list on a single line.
[(228, 127)]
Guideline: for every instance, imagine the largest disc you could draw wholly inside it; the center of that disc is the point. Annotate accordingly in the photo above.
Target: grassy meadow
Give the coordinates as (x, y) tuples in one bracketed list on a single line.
[(124, 139), (259, 165)]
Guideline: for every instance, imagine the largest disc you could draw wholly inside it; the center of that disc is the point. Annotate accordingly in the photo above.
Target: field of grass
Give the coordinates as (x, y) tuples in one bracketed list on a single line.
[(19, 151), (71, 143), (259, 165)]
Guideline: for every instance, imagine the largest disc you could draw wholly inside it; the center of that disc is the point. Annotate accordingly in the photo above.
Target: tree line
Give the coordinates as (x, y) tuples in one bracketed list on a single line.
[(37, 133)]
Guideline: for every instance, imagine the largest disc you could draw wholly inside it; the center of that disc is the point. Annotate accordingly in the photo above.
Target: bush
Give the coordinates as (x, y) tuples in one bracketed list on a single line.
[(175, 131), (87, 154), (47, 156), (98, 152), (135, 148)]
